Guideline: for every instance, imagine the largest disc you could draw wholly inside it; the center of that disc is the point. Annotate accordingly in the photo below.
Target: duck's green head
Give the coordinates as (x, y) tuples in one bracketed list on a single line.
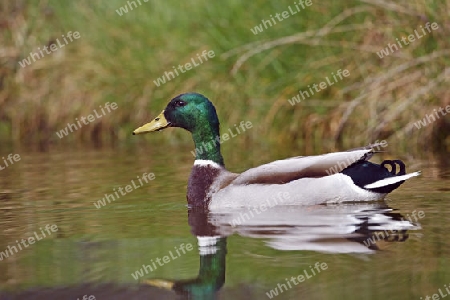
[(191, 111), (195, 113)]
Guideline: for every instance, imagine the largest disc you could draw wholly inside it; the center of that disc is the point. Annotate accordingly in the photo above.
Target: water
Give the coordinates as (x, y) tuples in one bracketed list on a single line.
[(397, 249)]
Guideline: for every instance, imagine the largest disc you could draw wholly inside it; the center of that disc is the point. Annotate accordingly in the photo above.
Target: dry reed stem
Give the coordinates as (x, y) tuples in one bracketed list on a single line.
[(294, 39), (393, 7), (392, 114)]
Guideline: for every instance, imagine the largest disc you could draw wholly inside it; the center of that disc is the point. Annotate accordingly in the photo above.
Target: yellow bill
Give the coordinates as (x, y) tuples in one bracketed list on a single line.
[(158, 123), (161, 283)]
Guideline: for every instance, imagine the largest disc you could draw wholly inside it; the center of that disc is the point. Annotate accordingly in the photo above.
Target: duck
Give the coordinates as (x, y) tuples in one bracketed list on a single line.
[(336, 177)]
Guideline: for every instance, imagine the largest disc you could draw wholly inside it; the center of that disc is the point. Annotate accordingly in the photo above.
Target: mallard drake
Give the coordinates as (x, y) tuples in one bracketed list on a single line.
[(303, 180)]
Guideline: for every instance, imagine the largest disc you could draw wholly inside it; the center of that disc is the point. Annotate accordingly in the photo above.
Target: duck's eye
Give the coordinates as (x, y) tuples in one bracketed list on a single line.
[(180, 103)]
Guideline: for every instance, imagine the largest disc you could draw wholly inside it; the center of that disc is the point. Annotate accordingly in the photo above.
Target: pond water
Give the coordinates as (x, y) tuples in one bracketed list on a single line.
[(146, 244)]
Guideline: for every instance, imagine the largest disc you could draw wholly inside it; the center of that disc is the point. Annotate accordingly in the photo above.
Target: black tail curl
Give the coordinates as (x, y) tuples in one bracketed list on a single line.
[(364, 172), (393, 164)]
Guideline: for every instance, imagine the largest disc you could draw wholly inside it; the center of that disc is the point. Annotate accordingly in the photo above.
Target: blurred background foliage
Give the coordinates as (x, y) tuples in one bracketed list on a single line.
[(250, 78)]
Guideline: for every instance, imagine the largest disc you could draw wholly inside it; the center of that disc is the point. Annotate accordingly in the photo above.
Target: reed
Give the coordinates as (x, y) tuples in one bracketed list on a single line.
[(117, 58)]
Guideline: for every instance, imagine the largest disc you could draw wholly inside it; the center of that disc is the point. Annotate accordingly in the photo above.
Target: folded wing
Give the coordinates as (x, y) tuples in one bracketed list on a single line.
[(283, 171)]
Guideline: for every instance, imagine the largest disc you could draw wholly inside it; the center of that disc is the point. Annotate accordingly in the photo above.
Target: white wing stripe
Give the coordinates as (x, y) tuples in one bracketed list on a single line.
[(390, 180)]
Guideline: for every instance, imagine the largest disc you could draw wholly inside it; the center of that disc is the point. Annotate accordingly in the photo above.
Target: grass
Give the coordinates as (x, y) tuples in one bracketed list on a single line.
[(251, 77)]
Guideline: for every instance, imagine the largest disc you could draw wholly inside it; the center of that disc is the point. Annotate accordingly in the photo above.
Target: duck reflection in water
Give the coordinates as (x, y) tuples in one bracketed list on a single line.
[(344, 228)]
